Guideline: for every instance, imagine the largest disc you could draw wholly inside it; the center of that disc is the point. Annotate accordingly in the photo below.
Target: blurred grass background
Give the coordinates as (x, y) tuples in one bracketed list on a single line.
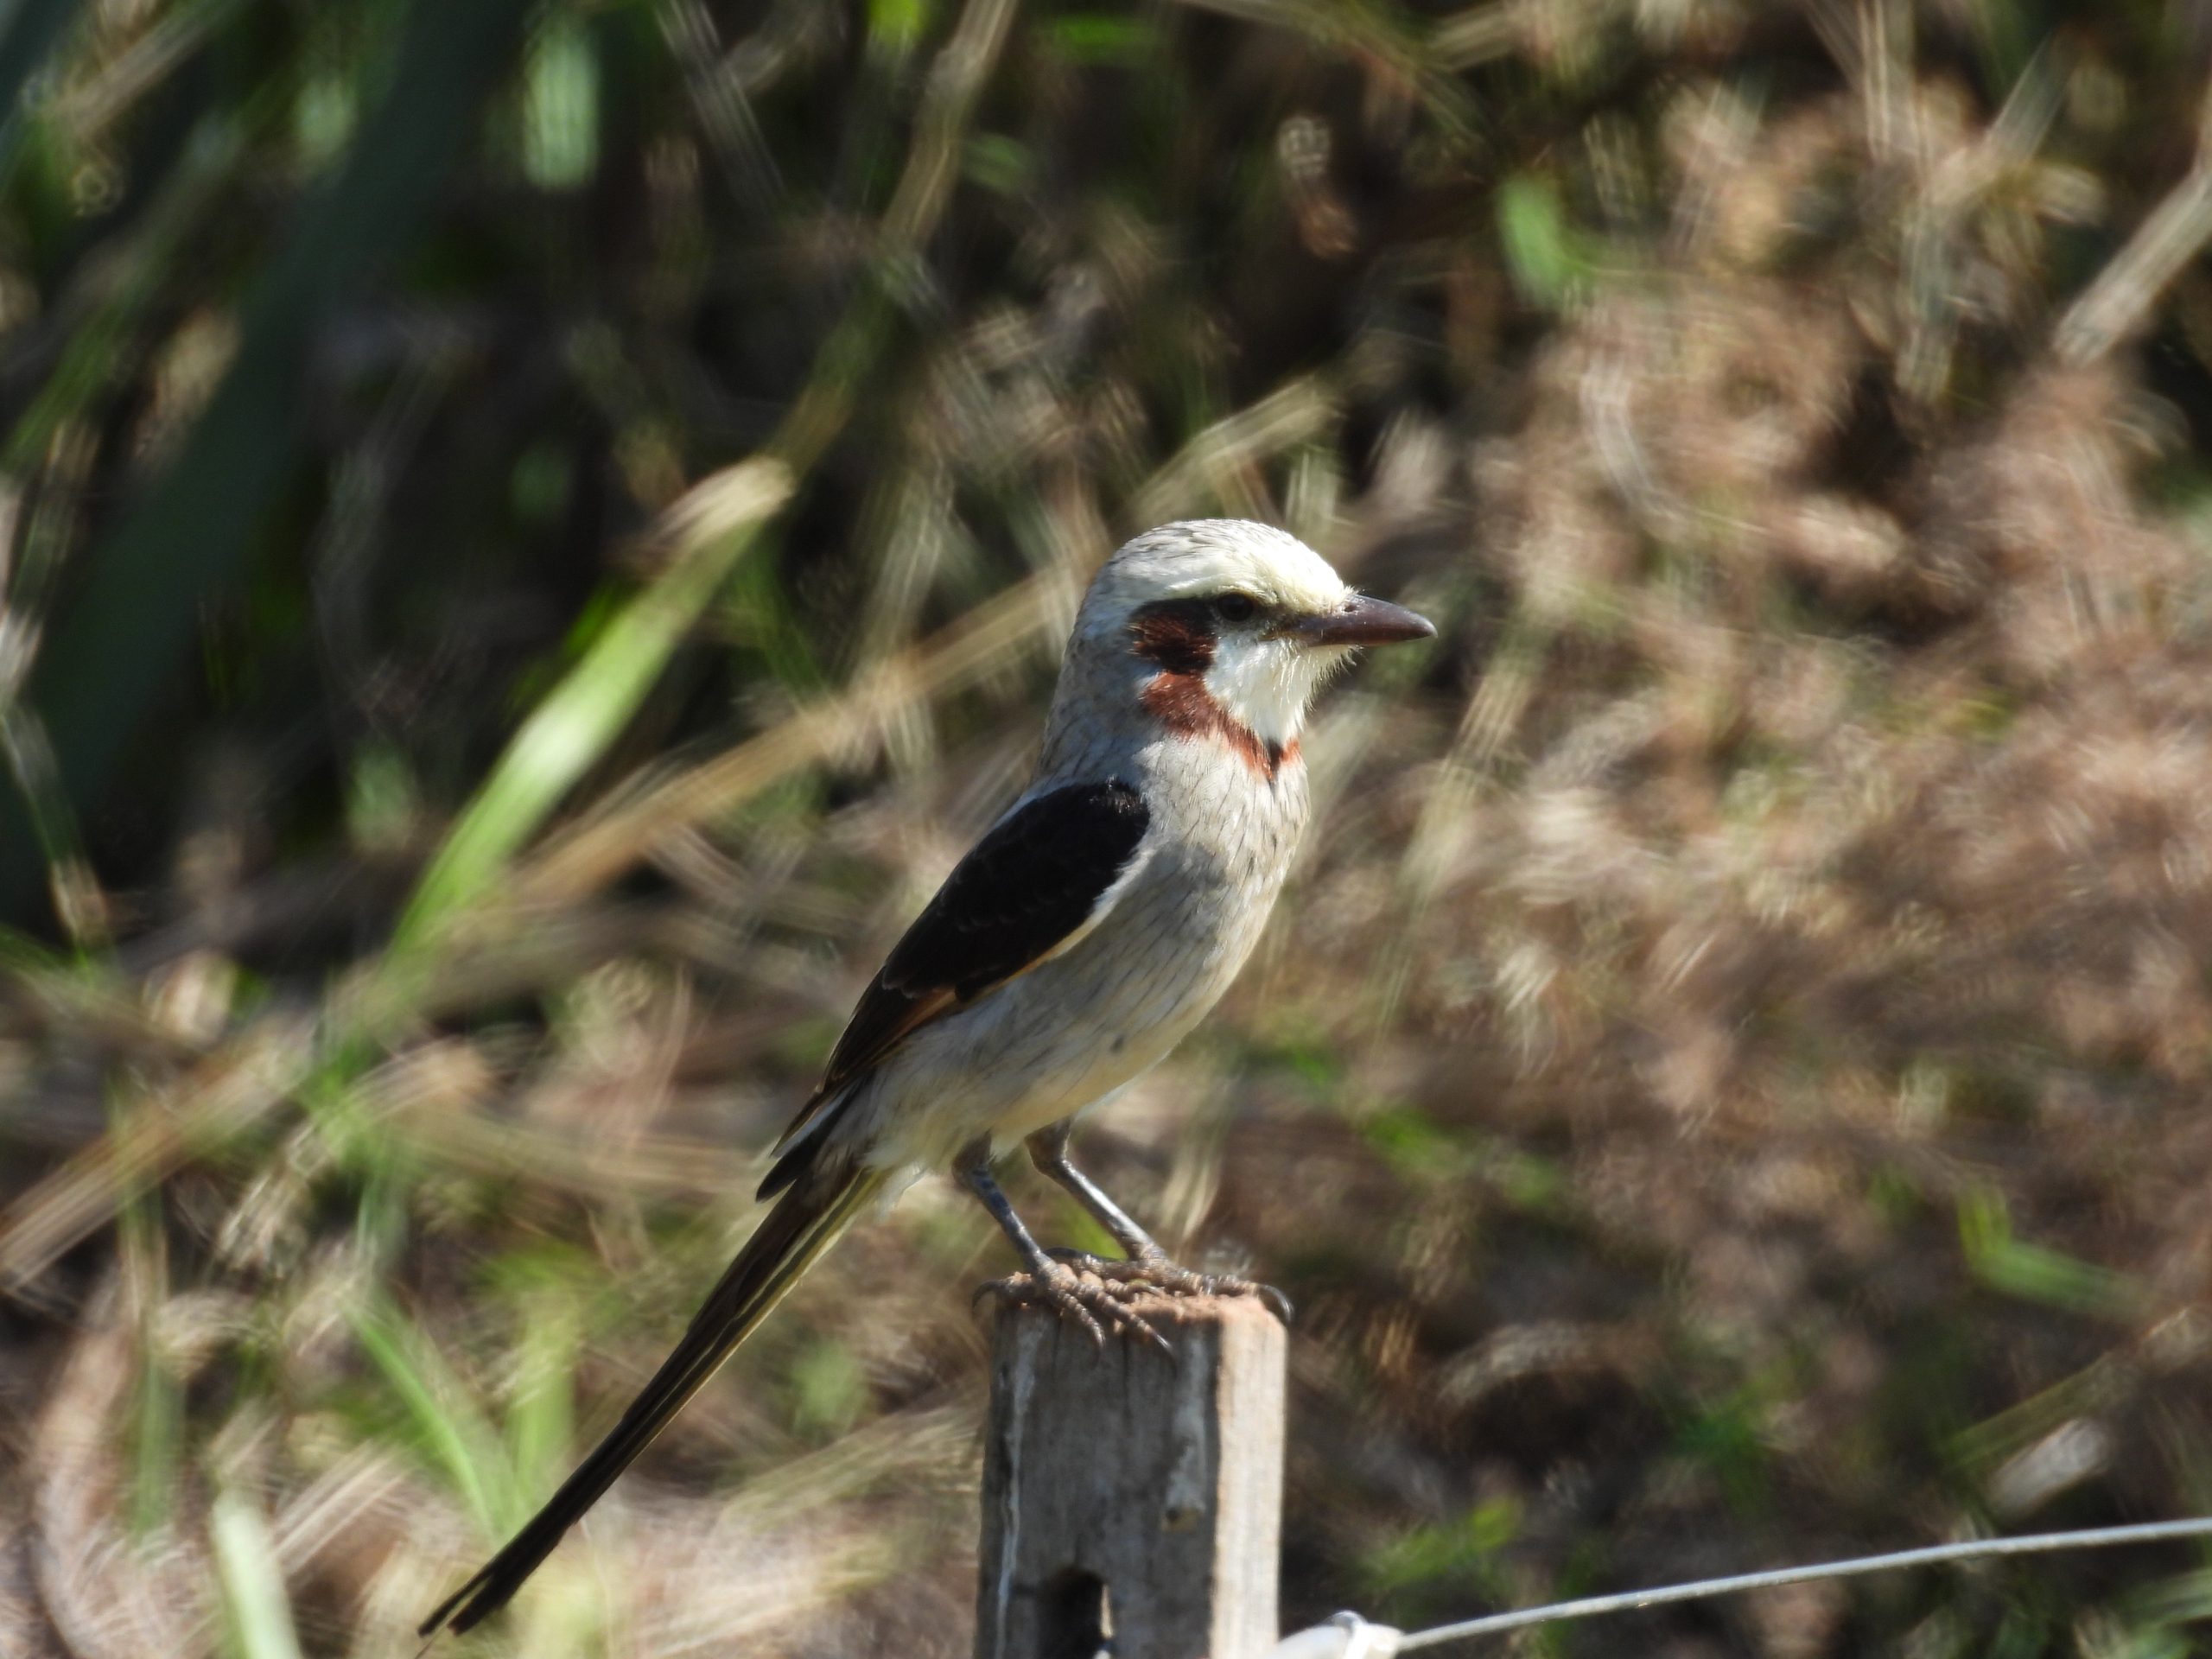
[(534, 534)]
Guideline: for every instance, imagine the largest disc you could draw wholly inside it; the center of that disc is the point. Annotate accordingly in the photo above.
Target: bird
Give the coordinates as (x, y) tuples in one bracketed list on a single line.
[(1095, 922)]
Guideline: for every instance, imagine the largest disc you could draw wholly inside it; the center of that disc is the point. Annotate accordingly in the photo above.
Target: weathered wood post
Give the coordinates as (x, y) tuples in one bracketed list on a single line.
[(1132, 1499)]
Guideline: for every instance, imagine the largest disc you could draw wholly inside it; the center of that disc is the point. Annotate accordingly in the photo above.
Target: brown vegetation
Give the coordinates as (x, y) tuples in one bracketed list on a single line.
[(1726, 1089)]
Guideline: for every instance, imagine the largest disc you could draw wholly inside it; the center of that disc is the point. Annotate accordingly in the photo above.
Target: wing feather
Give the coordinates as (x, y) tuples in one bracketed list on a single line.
[(1040, 878)]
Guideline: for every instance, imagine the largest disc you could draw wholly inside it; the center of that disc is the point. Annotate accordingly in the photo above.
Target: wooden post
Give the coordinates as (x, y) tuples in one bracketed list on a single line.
[(1132, 1499)]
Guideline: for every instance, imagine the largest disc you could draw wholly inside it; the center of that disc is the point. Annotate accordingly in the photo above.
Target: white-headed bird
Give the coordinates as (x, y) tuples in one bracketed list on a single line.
[(1091, 927)]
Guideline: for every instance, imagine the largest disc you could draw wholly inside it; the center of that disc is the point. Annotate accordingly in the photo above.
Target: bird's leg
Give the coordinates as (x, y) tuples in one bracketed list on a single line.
[(1048, 1150), (1083, 1297), (1148, 1264)]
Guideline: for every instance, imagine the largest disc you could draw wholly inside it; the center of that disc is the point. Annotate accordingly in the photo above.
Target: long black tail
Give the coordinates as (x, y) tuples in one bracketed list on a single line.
[(808, 1222)]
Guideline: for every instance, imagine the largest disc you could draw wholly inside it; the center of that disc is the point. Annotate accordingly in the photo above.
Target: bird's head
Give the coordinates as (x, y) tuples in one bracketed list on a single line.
[(1233, 627)]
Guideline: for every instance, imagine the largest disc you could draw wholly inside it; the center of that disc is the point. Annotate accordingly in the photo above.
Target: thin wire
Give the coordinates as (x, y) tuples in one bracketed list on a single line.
[(2028, 1544)]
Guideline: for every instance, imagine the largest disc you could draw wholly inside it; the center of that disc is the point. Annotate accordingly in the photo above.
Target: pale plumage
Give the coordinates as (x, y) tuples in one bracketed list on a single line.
[(1092, 926)]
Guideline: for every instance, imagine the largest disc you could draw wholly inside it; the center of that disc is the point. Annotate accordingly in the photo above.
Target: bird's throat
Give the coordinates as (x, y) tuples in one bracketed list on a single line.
[(1181, 702)]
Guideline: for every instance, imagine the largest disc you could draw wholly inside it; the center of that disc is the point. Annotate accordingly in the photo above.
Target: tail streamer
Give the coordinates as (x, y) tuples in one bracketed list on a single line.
[(810, 1219)]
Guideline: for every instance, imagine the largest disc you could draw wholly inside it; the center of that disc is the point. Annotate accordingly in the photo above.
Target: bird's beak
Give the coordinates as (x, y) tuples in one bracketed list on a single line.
[(1362, 621)]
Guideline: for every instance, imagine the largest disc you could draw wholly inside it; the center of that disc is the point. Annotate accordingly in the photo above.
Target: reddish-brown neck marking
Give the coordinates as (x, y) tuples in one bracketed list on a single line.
[(1177, 634)]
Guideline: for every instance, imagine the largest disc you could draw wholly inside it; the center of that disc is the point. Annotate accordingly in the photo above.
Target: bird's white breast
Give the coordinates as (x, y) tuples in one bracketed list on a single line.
[(1080, 1025)]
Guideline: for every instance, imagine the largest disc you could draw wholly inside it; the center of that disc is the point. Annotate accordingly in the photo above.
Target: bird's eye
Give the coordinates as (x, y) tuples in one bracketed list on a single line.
[(1235, 608)]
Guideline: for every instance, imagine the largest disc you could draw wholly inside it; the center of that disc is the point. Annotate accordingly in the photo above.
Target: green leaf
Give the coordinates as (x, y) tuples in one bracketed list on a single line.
[(895, 27), (1542, 249), (560, 144)]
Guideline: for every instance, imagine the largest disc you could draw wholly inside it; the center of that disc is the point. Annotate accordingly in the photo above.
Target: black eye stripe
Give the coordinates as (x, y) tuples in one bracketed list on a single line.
[(1176, 633)]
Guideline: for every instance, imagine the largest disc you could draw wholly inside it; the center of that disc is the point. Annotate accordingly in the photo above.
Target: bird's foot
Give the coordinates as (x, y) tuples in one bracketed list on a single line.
[(1080, 1296), (1155, 1272)]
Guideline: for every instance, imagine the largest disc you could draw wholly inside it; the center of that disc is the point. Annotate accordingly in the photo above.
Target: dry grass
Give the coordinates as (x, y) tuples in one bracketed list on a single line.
[(1737, 1040)]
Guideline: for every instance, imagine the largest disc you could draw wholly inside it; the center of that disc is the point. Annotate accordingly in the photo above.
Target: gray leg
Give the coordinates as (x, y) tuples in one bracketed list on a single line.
[(1048, 1150), (975, 1169), (1148, 1265), (1084, 1298)]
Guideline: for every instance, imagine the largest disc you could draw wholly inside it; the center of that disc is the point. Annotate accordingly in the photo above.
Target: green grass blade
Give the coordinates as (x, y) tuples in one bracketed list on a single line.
[(252, 1582), (453, 1434), (572, 727)]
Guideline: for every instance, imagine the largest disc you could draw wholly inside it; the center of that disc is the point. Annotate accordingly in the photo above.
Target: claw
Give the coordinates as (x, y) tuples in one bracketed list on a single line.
[(1084, 1297), (1172, 1278)]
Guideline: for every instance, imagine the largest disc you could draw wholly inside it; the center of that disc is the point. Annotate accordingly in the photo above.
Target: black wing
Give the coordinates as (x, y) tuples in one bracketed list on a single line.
[(1022, 891)]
